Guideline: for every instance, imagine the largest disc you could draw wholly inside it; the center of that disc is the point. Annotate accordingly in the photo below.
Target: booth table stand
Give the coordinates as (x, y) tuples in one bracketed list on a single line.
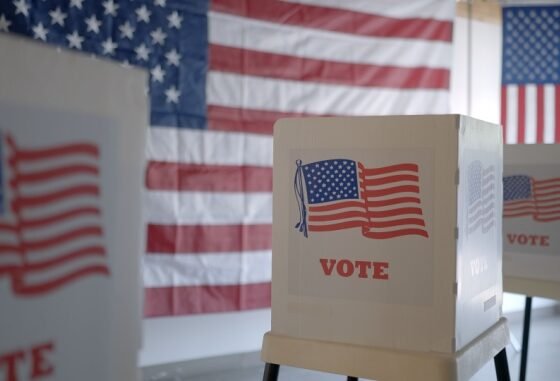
[(529, 287), (384, 364)]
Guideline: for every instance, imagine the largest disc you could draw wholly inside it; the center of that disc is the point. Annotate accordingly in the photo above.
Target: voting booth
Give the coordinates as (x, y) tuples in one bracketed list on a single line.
[(387, 245), (532, 219), (72, 136)]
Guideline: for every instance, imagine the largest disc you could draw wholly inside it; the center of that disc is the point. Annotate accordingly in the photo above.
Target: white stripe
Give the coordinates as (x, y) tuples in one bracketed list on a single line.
[(291, 96), (38, 256), (530, 114), (549, 114), (54, 229), (161, 270), (239, 32), (41, 188), (208, 147), (38, 277), (54, 208), (433, 9), (207, 208), (511, 128), (57, 162)]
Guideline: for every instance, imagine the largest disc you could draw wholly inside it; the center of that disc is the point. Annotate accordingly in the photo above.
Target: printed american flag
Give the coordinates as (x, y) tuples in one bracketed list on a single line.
[(525, 196), (531, 74), (222, 72), (342, 194), (52, 235), (482, 196)]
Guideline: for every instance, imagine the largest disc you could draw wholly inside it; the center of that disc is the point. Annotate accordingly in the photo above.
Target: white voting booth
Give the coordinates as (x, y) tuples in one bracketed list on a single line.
[(387, 248), (532, 219), (72, 133)]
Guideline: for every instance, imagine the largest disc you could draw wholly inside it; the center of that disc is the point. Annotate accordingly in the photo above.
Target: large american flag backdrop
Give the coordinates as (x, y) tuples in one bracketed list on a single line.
[(531, 74), (222, 72)]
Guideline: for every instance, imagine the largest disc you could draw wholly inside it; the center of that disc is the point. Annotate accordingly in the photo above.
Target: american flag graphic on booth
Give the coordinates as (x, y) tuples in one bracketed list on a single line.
[(50, 228), (338, 194), (481, 196), (531, 74), (525, 196)]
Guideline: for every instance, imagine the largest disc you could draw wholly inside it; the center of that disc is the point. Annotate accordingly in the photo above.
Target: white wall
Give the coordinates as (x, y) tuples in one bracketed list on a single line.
[(193, 337)]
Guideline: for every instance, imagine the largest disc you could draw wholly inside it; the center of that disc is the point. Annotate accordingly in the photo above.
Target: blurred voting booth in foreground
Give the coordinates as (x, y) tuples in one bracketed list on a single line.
[(387, 246), (72, 135), (532, 219)]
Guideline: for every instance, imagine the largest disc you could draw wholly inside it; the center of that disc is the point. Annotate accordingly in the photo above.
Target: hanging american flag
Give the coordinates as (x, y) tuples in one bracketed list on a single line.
[(526, 196), (531, 74), (343, 194), (52, 235), (222, 72), (481, 195)]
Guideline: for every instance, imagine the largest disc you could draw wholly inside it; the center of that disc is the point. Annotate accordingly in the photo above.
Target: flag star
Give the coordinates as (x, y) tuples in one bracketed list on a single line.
[(109, 46), (126, 30), (157, 73), (173, 57), (4, 24), (75, 40), (110, 7), (142, 52), (125, 64), (57, 16), (143, 14), (161, 3), (172, 95), (21, 7), (76, 3), (39, 32), (93, 24), (175, 20), (158, 36)]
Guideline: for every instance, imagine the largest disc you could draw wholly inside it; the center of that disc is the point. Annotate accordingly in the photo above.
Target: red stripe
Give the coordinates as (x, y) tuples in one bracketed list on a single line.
[(38, 222), (338, 216), (48, 153), (540, 182), (393, 234), (503, 117), (521, 114), (245, 120), (337, 226), (388, 169), (62, 238), (185, 300), (540, 113), (339, 20), (390, 191), (339, 205), (92, 251), (211, 178), (8, 227), (9, 249), (250, 62), (390, 179), (171, 239), (557, 113), (53, 174), (80, 190), (20, 287)]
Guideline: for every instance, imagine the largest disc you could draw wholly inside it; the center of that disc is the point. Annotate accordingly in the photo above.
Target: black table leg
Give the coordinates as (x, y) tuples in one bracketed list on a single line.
[(525, 343), (501, 364), (271, 372), (350, 378)]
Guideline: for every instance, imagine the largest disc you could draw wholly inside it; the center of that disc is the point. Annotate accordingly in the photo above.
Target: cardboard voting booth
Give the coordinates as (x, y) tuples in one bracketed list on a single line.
[(72, 136), (386, 232), (531, 224)]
